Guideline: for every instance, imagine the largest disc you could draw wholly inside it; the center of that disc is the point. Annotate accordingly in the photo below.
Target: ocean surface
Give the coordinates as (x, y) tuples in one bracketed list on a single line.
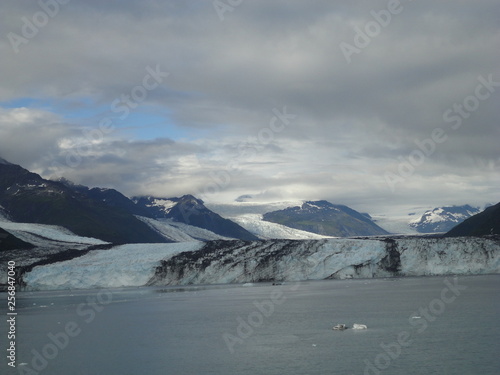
[(425, 325)]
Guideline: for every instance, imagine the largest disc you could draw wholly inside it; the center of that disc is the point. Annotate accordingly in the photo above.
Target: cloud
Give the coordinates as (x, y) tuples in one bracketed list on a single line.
[(355, 121), (26, 134)]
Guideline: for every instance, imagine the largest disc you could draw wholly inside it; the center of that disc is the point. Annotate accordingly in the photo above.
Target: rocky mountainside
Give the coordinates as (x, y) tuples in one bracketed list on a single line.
[(327, 219), (104, 213), (484, 223), (192, 211), (28, 198)]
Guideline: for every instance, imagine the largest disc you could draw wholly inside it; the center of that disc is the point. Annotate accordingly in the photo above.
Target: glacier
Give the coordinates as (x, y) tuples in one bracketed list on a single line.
[(235, 261), (121, 266), (44, 235), (180, 232), (267, 230)]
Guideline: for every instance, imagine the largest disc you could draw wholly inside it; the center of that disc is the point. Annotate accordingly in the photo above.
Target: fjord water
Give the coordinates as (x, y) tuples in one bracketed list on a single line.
[(264, 329)]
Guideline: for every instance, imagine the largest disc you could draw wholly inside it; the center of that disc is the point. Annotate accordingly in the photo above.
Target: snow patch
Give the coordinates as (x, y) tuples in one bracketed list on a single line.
[(165, 204)]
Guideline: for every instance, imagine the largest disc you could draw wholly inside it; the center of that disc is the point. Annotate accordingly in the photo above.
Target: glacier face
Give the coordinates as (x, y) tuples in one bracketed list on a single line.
[(235, 261), (291, 260), (121, 266)]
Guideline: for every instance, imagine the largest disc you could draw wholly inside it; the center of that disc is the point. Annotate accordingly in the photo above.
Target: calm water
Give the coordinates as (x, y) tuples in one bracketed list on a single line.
[(263, 329)]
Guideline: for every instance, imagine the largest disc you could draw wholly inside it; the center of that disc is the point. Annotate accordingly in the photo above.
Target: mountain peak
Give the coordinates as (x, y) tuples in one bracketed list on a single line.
[(190, 199), (321, 204), (325, 218), (442, 219)]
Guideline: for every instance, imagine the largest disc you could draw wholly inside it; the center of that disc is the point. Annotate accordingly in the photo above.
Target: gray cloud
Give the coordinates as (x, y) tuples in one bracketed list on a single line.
[(355, 122)]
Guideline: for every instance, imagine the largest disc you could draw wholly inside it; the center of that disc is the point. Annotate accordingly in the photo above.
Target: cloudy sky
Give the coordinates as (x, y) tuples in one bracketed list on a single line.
[(374, 104)]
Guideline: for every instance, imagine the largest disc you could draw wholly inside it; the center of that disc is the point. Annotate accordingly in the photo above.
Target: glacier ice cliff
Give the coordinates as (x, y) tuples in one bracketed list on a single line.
[(234, 261), (293, 260)]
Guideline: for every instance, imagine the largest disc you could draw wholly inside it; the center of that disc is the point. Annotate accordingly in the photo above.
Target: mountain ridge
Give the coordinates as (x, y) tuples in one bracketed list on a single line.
[(27, 197), (192, 211), (102, 213), (482, 224), (443, 219), (325, 218)]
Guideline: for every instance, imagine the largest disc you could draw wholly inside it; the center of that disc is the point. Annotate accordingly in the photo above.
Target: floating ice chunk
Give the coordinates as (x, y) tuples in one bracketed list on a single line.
[(339, 327)]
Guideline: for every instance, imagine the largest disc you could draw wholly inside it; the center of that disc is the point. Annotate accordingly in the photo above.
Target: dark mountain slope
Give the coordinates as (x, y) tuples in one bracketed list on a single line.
[(27, 197), (442, 219), (325, 218), (190, 210), (11, 242), (484, 223)]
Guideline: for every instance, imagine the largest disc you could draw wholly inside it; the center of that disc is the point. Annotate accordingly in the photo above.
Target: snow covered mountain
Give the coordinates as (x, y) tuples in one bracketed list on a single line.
[(107, 214), (57, 258), (268, 261), (192, 211), (326, 219), (442, 219), (250, 215), (28, 198)]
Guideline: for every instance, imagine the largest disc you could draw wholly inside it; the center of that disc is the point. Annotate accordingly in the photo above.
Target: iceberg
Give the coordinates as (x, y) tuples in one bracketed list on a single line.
[(359, 326)]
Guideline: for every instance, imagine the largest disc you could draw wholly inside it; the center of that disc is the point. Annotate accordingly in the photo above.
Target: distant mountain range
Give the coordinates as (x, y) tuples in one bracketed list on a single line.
[(325, 218), (443, 219), (63, 235), (27, 197), (111, 217), (105, 214)]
